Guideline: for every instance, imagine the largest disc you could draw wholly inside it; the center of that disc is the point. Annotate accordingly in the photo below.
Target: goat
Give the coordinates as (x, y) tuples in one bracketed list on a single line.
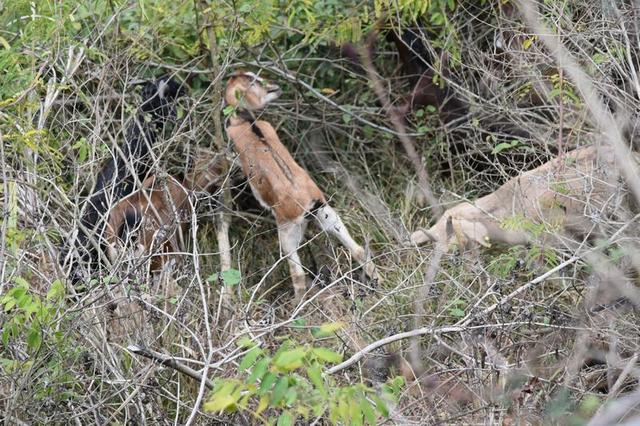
[(413, 55), (115, 179), (277, 181), (574, 191), (161, 211)]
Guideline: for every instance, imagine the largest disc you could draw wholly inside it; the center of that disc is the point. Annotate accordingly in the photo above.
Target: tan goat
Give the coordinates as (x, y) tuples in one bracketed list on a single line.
[(277, 181), (575, 191), (161, 211)]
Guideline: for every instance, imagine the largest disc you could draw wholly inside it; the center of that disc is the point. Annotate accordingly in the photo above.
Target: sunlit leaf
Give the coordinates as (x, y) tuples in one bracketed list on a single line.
[(327, 355), (285, 419), (290, 360), (327, 329), (267, 381), (259, 370), (34, 337), (231, 277), (279, 390), (249, 359), (368, 411), (315, 375)]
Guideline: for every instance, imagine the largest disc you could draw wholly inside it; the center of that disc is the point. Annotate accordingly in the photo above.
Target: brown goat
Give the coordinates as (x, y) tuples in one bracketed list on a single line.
[(161, 210), (277, 181), (575, 191)]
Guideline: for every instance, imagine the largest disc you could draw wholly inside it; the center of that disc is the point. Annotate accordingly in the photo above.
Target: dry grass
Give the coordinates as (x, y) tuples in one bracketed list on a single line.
[(503, 343)]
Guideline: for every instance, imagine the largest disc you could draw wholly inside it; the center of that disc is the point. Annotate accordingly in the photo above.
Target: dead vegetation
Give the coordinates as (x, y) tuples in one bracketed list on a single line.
[(520, 306)]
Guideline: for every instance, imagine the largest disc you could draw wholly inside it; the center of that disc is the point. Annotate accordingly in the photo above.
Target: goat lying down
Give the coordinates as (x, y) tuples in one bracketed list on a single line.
[(161, 211), (575, 191), (277, 181)]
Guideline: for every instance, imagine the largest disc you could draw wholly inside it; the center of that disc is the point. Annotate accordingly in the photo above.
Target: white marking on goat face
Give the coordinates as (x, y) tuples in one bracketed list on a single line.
[(253, 76), (251, 91)]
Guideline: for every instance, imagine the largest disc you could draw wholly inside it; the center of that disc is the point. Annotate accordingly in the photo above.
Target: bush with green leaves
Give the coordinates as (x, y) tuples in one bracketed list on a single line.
[(30, 316), (290, 385), (35, 341)]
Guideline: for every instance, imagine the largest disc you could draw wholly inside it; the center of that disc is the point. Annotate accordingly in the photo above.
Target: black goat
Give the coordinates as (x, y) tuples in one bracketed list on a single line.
[(115, 179)]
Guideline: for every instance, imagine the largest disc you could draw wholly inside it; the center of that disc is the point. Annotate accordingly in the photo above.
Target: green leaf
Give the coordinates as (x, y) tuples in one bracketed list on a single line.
[(327, 355), (231, 277), (394, 387), (245, 342), (228, 110), (356, 414), (262, 405), (290, 360), (299, 322), (285, 419), (456, 312), (5, 43), (368, 411), (56, 292), (34, 337), (600, 58), (555, 92), (291, 396), (279, 390), (589, 404), (16, 293), (259, 370), (245, 8), (24, 301), (326, 329), (501, 147), (249, 359), (267, 381), (221, 399), (9, 304), (437, 18), (343, 410), (315, 375), (381, 406), (21, 282), (6, 334)]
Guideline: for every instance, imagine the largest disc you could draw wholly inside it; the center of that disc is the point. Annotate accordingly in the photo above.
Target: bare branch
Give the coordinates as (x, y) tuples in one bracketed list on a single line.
[(170, 362)]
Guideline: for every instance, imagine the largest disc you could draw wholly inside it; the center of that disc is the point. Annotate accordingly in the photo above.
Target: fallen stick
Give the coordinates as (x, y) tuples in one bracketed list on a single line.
[(170, 362)]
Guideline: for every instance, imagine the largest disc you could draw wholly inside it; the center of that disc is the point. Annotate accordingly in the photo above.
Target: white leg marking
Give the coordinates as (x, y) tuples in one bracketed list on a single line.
[(290, 235), (330, 221)]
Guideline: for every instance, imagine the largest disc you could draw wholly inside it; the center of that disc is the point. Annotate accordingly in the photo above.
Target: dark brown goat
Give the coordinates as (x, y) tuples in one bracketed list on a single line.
[(161, 211), (115, 179), (413, 55)]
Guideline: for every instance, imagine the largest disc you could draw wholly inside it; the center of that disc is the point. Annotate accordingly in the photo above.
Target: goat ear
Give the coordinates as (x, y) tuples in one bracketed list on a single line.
[(237, 73)]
